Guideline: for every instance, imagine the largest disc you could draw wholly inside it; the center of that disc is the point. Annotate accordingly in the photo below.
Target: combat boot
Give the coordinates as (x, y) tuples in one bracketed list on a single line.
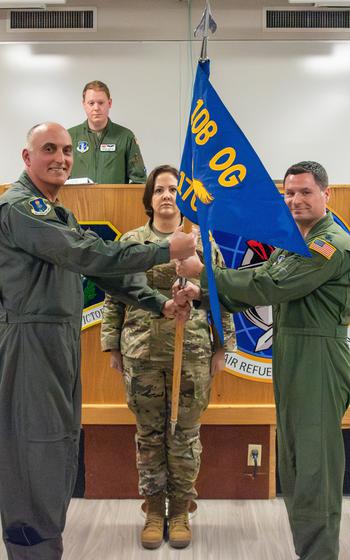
[(153, 531), (179, 526)]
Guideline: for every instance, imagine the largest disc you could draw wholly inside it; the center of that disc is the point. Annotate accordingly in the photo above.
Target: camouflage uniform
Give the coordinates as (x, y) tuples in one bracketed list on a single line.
[(165, 462)]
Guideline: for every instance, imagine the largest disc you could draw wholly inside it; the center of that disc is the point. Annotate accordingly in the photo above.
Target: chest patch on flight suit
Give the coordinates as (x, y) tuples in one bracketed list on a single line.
[(39, 207), (107, 148), (83, 147), (322, 247)]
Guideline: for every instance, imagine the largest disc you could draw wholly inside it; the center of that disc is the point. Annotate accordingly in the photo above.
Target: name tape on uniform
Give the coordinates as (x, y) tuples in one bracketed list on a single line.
[(107, 148)]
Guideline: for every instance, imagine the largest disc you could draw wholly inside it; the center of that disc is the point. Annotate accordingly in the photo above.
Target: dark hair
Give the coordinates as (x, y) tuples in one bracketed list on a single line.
[(149, 186), (97, 86), (316, 169)]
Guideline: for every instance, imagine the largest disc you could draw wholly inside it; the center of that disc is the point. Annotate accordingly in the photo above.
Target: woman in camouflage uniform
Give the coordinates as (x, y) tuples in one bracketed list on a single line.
[(142, 348)]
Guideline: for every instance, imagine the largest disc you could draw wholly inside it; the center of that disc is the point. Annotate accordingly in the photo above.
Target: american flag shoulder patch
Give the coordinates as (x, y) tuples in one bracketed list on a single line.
[(322, 247)]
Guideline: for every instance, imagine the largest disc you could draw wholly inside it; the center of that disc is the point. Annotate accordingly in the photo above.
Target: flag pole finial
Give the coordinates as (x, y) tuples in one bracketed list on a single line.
[(206, 24)]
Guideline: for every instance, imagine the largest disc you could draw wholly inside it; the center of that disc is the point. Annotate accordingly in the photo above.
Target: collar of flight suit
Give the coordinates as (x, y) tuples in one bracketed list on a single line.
[(25, 180), (105, 131), (317, 229)]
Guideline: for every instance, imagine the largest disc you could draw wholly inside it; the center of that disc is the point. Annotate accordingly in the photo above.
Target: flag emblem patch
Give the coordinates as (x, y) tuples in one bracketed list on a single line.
[(322, 247)]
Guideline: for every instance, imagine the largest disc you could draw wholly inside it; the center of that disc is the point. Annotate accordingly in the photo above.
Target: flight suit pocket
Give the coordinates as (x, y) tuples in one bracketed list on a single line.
[(281, 271), (50, 371), (72, 463)]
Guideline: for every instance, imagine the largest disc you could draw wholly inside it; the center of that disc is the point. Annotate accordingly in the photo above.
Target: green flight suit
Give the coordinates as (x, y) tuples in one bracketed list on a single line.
[(42, 251), (311, 375), (112, 158)]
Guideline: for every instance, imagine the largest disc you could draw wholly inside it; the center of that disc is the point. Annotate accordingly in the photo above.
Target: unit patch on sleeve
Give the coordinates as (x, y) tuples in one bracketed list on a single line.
[(39, 207), (323, 247)]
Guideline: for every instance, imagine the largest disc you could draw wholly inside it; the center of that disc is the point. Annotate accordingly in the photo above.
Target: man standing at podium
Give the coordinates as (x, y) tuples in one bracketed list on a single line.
[(104, 151), (43, 251)]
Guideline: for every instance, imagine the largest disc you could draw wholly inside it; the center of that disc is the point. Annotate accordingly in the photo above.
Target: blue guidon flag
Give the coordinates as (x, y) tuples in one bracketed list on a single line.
[(223, 185)]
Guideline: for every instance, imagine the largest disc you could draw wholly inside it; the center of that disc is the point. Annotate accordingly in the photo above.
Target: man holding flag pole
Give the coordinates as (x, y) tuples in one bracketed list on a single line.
[(311, 357), (224, 186)]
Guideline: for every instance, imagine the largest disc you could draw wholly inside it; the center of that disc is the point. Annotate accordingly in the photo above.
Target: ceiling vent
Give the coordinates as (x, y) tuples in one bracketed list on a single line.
[(306, 19), (65, 19)]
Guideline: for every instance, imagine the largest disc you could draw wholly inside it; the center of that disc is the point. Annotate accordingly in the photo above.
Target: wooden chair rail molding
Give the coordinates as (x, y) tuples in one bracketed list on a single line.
[(233, 414), (234, 400)]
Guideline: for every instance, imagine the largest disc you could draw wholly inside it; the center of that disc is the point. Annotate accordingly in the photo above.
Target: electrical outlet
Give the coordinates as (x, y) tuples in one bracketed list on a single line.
[(253, 447)]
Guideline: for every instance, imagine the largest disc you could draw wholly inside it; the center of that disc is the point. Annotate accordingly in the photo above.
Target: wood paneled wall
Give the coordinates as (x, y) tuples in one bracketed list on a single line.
[(110, 470), (242, 410), (234, 400)]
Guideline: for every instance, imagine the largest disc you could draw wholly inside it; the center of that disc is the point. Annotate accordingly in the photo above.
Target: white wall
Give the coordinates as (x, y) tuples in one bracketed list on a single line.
[(291, 99), (291, 96)]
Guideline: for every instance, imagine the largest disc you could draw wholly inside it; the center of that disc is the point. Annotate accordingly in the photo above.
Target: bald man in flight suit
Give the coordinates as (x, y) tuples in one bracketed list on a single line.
[(43, 251)]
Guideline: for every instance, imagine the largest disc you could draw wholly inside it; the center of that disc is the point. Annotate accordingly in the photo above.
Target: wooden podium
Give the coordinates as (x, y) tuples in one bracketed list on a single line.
[(240, 411)]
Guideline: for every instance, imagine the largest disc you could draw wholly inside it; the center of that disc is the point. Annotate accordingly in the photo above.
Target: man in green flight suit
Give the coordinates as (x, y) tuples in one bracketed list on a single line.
[(42, 251), (311, 357), (104, 151)]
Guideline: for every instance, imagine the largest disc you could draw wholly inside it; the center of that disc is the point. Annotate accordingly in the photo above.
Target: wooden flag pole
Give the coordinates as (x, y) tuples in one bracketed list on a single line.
[(179, 342), (206, 24), (178, 351)]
